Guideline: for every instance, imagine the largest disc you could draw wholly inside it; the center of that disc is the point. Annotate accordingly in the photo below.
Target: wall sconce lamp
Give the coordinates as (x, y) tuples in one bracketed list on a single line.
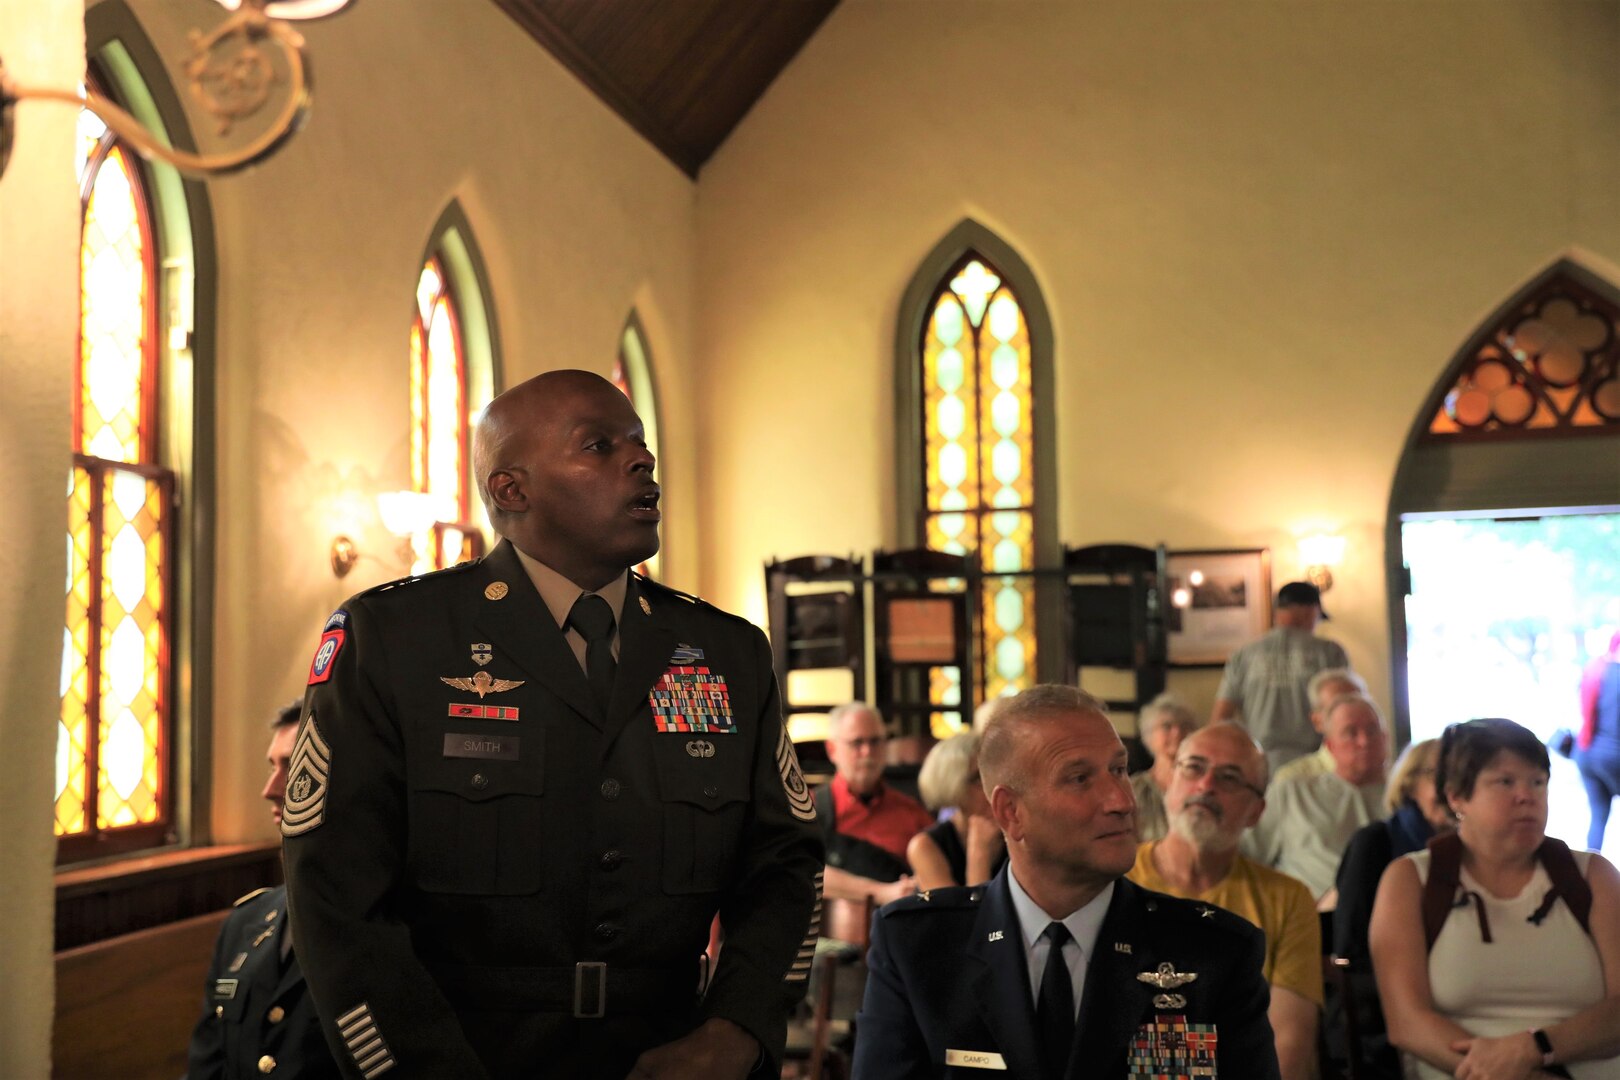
[(1321, 552), (231, 75), (404, 514)]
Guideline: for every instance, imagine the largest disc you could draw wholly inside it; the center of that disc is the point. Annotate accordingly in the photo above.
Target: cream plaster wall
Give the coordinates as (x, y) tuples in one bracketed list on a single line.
[(1262, 230), (42, 43), (416, 102)]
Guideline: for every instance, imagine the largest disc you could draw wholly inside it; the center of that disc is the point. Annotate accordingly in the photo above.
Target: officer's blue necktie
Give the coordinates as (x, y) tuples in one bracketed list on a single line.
[(593, 619), (1054, 1009)]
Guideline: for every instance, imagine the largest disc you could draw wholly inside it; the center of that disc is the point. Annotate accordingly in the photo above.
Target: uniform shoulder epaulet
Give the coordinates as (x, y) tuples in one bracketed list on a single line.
[(1206, 915), (255, 894), (654, 588), (952, 898), (431, 575)]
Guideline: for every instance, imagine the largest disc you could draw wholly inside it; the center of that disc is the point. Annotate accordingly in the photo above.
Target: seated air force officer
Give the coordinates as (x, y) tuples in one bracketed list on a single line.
[(1148, 985), (257, 1013)]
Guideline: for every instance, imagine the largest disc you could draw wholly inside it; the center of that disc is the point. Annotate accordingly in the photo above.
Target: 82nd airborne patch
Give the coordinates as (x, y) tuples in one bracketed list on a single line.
[(307, 776)]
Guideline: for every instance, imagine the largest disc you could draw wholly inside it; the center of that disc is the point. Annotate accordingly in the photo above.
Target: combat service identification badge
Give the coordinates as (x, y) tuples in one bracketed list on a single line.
[(307, 777), (798, 793)]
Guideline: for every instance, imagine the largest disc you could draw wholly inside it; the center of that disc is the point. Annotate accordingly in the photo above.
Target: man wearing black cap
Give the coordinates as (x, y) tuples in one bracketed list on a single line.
[(1265, 681)]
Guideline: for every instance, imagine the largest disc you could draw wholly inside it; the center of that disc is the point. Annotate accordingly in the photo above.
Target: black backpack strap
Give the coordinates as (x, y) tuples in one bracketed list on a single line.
[(1440, 890), (1567, 883), (826, 815)]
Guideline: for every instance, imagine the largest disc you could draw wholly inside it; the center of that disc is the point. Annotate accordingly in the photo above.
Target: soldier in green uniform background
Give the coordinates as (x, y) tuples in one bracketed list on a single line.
[(524, 787), (257, 1014)]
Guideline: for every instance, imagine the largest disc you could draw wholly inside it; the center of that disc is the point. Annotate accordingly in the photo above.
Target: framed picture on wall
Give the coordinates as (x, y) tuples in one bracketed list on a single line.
[(1219, 600)]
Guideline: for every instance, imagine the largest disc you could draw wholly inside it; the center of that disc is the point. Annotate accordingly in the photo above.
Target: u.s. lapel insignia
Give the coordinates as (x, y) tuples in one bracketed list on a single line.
[(482, 683), (1122, 947), (1167, 977), (996, 935), (482, 653), (646, 608), (700, 748), (495, 590)]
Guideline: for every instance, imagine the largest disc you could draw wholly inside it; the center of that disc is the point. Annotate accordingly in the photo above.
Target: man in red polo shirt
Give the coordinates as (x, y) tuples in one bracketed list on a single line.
[(866, 823)]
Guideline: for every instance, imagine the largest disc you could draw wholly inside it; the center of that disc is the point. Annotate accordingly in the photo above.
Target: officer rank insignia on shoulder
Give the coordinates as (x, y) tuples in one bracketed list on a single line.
[(307, 777), (799, 798)]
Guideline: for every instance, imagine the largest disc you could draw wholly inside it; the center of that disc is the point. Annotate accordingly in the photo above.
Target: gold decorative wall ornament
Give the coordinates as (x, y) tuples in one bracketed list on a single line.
[(233, 74)]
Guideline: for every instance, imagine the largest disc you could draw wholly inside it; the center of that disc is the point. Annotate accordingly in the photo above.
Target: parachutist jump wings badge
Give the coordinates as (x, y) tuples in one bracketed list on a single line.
[(482, 683)]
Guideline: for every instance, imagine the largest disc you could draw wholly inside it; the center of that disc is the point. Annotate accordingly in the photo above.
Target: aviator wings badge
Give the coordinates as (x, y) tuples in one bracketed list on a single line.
[(482, 683), (1167, 978)]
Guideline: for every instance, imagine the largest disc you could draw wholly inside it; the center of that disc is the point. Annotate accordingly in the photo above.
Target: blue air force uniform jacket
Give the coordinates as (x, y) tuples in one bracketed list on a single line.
[(479, 864), (257, 1014), (948, 994)]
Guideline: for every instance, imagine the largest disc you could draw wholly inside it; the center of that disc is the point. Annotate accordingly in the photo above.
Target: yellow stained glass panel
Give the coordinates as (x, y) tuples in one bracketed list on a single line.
[(979, 487), (438, 408), (129, 742), (114, 308), (72, 732)]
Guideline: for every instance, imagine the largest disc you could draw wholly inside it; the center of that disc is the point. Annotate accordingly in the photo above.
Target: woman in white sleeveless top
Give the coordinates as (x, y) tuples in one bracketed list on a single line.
[(1513, 988)]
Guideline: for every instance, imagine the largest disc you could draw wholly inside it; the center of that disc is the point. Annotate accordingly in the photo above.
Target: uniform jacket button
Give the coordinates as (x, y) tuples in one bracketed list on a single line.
[(610, 788), (267, 1064), (479, 781), (612, 859), (606, 931), (276, 1014), (711, 791), (219, 1010)]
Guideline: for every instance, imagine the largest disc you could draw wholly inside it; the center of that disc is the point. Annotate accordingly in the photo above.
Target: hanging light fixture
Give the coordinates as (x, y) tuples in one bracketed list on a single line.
[(231, 74)]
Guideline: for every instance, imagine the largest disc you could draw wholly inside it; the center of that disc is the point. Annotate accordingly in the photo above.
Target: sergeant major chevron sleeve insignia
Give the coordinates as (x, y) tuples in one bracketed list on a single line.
[(798, 792), (307, 776)]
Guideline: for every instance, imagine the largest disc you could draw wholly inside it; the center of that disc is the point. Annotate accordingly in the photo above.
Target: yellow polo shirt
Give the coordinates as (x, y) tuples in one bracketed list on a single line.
[(1280, 906)]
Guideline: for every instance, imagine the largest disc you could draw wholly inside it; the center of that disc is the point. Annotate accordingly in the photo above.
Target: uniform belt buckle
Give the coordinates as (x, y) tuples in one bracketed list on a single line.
[(590, 990)]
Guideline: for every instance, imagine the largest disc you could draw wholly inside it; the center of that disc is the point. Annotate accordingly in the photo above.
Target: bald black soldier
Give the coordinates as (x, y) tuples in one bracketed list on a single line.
[(524, 787)]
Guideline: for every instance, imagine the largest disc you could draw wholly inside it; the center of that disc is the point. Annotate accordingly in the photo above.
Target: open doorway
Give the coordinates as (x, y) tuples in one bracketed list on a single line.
[(1504, 611)]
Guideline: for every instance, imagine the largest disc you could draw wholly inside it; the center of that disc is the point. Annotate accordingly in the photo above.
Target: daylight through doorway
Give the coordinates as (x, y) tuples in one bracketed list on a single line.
[(1505, 609)]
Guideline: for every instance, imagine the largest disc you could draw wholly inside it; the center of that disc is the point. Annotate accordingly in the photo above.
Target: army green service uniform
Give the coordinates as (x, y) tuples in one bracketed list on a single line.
[(258, 1019), (490, 877)]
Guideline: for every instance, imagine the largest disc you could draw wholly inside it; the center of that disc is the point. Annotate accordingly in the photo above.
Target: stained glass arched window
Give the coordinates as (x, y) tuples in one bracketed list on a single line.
[(1549, 365), (632, 374), (977, 359), (452, 357), (114, 734)]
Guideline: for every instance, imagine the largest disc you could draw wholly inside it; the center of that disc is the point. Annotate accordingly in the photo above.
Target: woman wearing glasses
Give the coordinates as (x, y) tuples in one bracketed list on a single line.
[(1497, 978)]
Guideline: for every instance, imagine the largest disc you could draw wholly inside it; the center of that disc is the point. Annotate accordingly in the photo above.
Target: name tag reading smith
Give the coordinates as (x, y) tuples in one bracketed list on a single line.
[(497, 747)]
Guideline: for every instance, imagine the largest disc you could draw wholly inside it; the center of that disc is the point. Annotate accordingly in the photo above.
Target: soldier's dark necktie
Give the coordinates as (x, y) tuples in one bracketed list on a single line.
[(1054, 1008), (593, 619)]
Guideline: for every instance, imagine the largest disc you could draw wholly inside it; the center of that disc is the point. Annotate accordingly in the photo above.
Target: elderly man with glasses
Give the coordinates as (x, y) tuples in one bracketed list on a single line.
[(1217, 791)]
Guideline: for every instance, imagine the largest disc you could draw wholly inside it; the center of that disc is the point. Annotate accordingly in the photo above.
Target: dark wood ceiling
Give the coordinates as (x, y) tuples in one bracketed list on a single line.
[(682, 72)]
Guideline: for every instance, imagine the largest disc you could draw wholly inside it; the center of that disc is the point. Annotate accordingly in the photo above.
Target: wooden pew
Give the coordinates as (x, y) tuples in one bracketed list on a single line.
[(125, 1006)]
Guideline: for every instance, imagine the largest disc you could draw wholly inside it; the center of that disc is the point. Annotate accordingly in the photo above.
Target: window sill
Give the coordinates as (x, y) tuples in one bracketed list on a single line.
[(125, 895)]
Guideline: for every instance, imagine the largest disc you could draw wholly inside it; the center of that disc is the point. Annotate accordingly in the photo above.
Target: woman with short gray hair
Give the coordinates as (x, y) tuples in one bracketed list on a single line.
[(1161, 725)]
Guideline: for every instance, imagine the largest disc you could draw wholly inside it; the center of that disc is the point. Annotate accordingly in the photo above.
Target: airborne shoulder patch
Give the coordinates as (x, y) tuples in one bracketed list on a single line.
[(799, 798), (307, 781)]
